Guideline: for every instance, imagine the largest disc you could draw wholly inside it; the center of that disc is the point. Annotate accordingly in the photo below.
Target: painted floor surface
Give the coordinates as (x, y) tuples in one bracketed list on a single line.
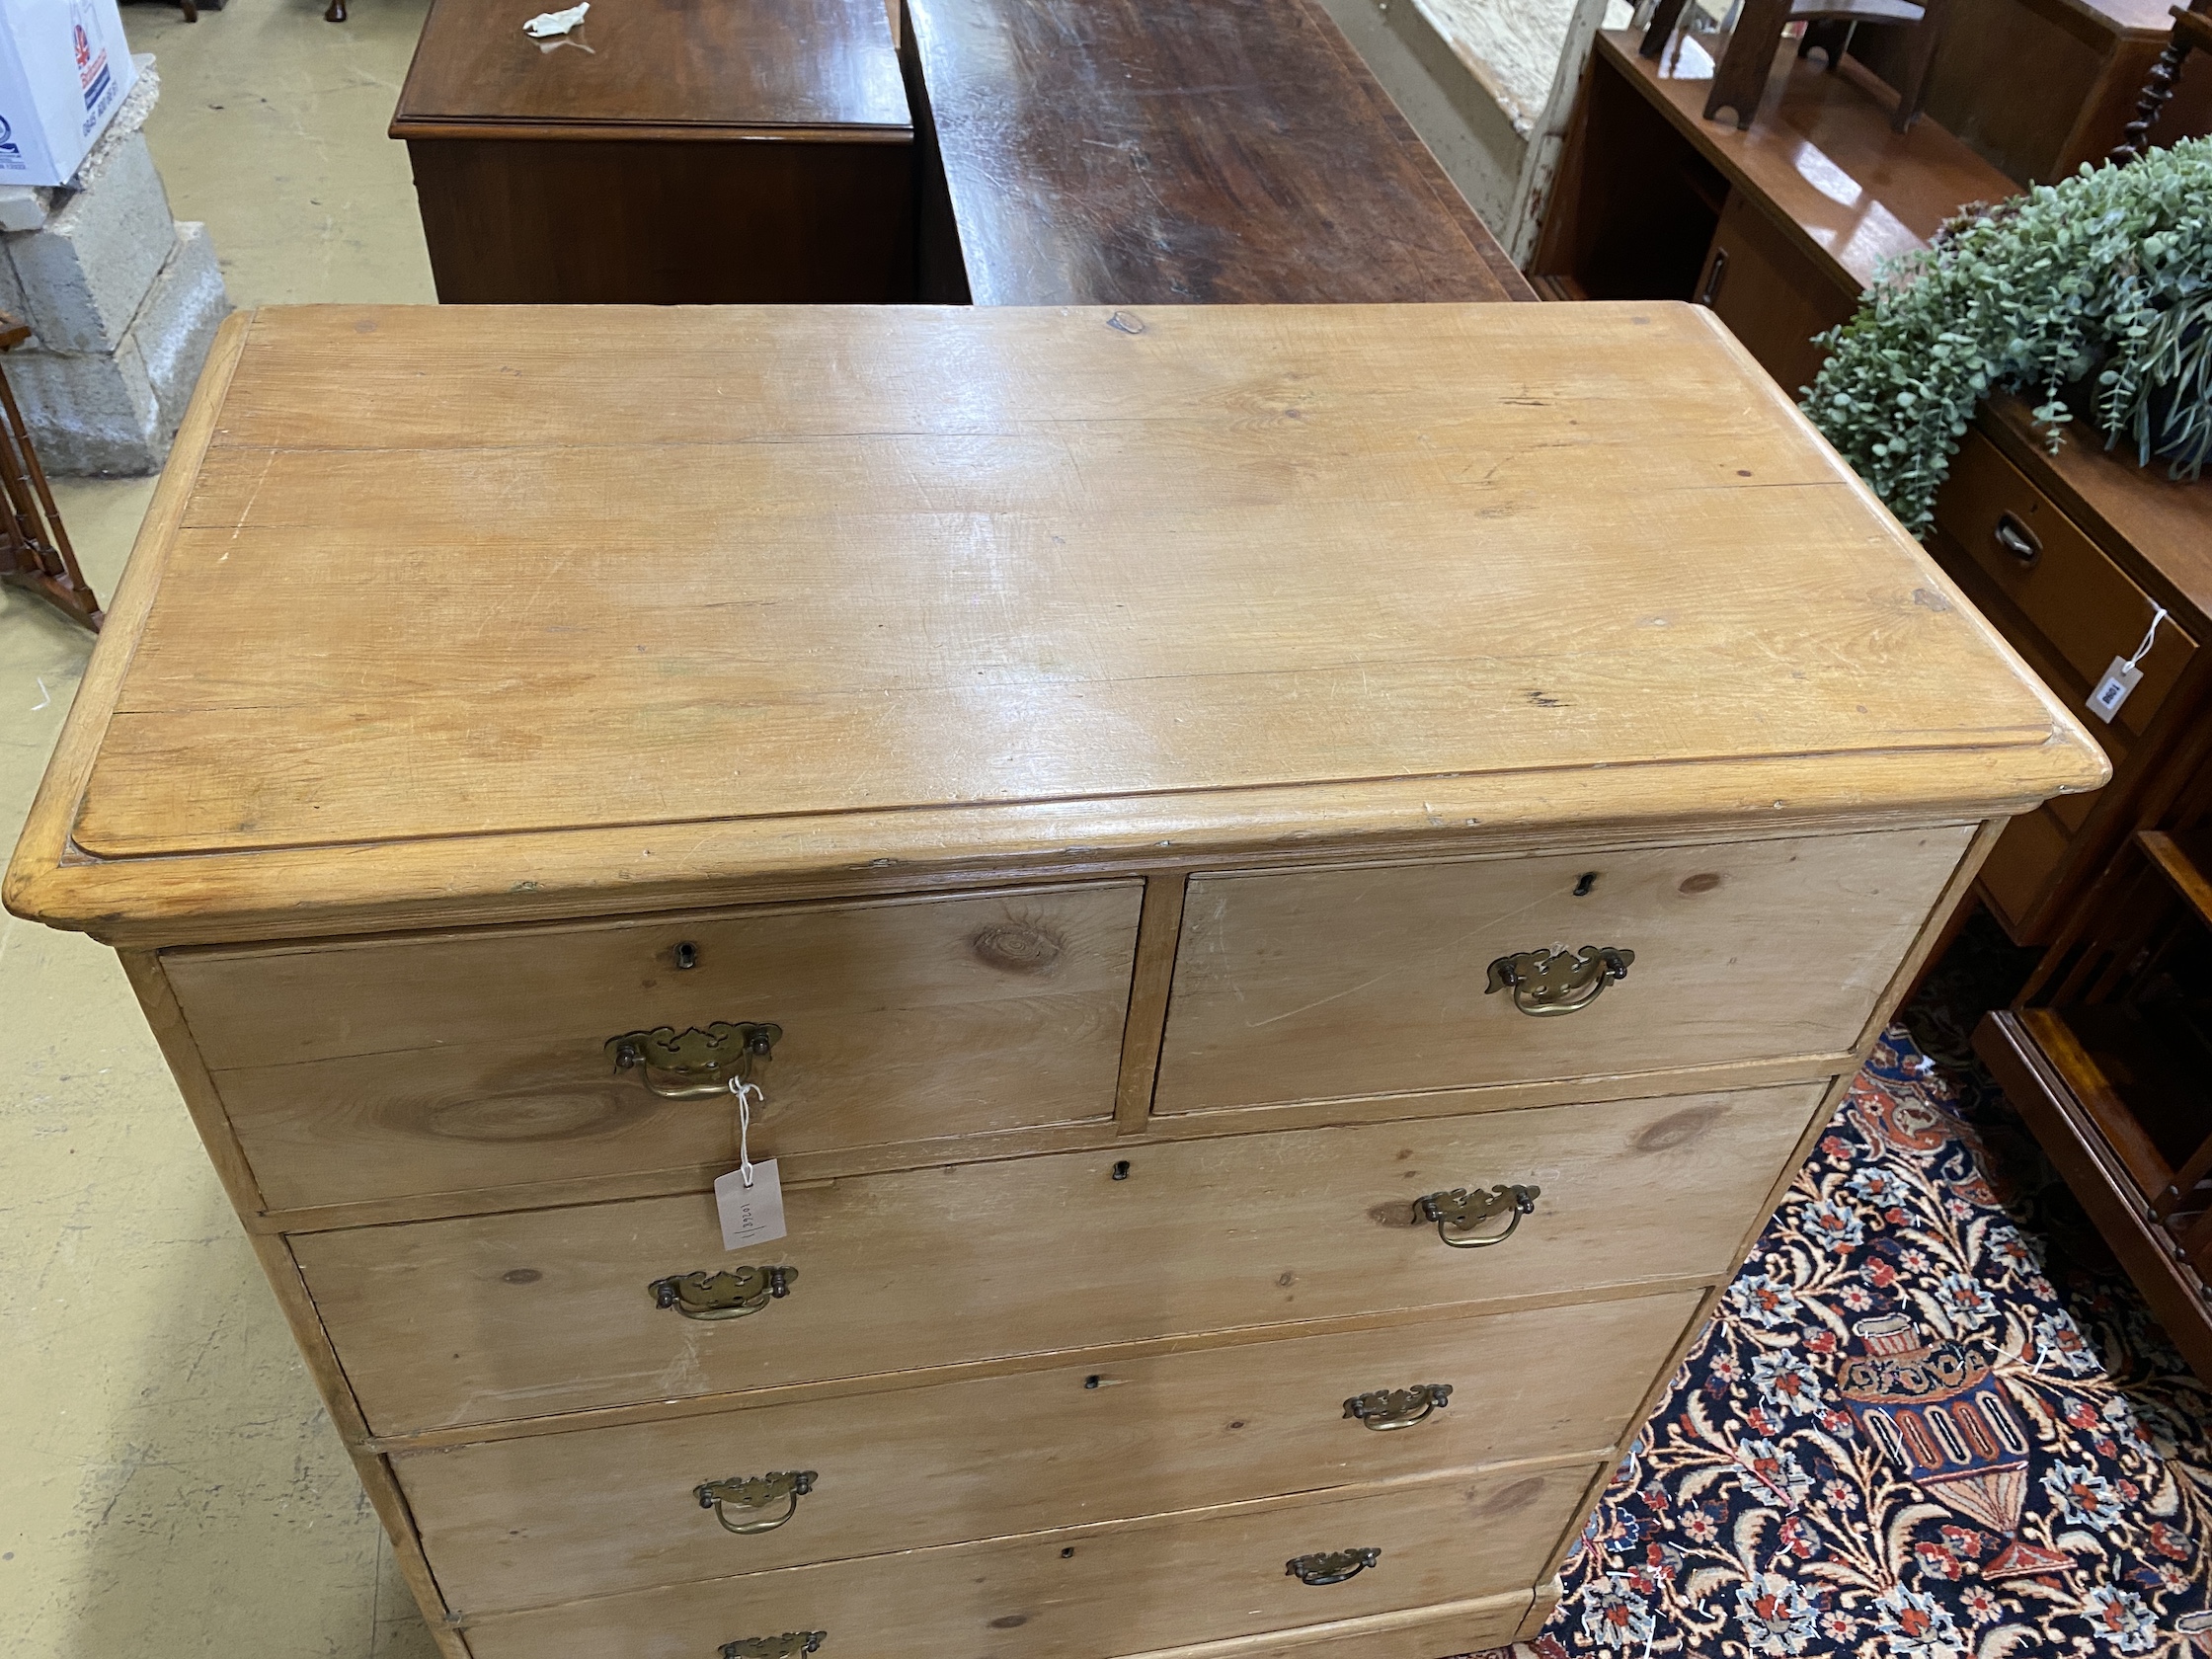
[(171, 1488), (1932, 1421)]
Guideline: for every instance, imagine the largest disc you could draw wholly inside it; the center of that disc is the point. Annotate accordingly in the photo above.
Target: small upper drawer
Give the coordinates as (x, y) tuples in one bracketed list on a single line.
[(387, 1067), (1314, 984), (535, 1312), (558, 1517), (2083, 603)]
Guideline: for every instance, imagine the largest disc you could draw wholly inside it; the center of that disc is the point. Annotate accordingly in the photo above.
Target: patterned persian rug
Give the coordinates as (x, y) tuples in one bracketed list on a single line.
[(1932, 1420)]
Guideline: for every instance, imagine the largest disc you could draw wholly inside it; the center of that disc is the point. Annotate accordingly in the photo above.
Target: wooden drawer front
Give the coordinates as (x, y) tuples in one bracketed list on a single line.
[(1321, 984), (1770, 294), (1084, 1595), (379, 1070), (536, 1312), (554, 1517), (2085, 605), (2017, 876)]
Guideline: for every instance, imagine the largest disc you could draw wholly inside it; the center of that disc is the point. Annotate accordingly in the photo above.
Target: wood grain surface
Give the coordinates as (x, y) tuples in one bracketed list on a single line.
[(736, 63), (425, 1065), (1821, 158), (1106, 152), (533, 1314), (602, 1511), (1309, 985), (1163, 1585), (1248, 549)]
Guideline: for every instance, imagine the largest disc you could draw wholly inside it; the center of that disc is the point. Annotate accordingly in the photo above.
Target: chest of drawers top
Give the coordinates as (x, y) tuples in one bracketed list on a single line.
[(455, 617)]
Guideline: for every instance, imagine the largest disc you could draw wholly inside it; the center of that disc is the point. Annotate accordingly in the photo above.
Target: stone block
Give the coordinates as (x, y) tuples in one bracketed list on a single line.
[(21, 207), (83, 276), (176, 324), (89, 412), (116, 412)]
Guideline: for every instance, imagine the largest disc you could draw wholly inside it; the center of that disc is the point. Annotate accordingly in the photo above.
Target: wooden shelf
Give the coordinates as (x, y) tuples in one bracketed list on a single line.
[(2083, 1158), (2182, 859), (1820, 158)]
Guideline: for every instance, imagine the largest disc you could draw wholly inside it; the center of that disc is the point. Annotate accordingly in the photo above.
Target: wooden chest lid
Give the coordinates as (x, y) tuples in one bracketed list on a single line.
[(635, 66), (448, 614)]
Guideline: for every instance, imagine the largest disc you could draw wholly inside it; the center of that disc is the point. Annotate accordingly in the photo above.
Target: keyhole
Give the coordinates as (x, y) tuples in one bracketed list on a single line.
[(1121, 1170), (688, 955), (1589, 880)]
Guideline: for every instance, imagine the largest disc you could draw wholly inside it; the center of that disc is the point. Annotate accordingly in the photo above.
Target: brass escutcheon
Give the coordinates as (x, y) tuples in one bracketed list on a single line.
[(1463, 1210), (1399, 1408), (790, 1645), (702, 1061), (1334, 1567), (728, 1295), (756, 1492), (1545, 983)]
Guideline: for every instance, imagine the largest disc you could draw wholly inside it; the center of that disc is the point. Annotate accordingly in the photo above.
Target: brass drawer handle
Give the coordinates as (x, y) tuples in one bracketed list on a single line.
[(702, 1062), (790, 1645), (1399, 1408), (1558, 982), (2018, 540), (1463, 1210), (1334, 1567), (730, 1295), (756, 1492)]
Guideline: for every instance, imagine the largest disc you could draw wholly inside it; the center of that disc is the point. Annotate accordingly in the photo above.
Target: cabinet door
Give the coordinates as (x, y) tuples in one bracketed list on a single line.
[(1770, 294)]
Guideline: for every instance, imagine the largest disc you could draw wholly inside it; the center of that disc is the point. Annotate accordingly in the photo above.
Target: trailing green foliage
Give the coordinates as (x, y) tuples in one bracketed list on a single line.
[(2109, 273)]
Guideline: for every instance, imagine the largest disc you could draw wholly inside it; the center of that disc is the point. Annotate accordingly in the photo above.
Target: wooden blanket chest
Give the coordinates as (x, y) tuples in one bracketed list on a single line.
[(1286, 886)]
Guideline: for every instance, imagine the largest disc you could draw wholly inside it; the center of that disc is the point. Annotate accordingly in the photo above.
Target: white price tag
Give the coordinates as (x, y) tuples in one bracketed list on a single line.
[(750, 1199), (2125, 674), (2111, 691), (750, 1215)]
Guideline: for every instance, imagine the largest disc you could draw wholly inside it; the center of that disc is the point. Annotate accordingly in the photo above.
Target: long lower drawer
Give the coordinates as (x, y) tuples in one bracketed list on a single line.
[(485, 1319), (546, 1517), (1175, 1582)]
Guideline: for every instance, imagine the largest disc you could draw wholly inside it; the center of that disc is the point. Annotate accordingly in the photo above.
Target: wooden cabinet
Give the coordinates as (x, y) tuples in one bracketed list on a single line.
[(1285, 1008), (2072, 555), (2039, 88), (1779, 227), (2104, 1054), (662, 154)]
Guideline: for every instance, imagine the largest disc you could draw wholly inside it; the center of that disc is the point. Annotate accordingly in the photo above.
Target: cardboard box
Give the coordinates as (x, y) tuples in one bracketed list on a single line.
[(64, 69)]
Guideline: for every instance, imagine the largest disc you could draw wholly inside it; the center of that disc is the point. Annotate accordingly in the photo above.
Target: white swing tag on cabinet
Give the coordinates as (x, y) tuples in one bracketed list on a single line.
[(750, 1215), (2111, 691)]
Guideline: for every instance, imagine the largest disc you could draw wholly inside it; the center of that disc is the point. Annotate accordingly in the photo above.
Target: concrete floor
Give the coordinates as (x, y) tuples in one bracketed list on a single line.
[(172, 1489)]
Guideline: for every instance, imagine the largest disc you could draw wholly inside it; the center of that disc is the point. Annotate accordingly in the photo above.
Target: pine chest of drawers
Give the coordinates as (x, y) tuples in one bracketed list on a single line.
[(1294, 882)]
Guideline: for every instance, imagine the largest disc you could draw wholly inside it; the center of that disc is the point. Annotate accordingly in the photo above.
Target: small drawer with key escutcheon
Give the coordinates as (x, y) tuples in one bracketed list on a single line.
[(385, 1069), (1321, 985)]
